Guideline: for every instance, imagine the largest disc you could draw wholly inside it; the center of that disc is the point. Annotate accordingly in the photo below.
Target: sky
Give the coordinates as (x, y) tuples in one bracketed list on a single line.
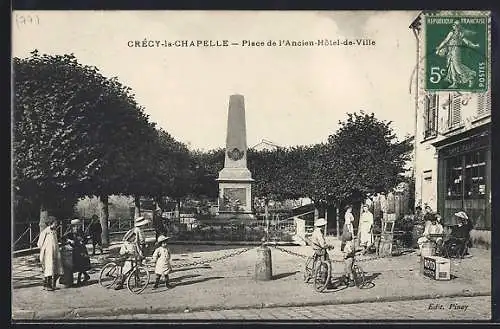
[(293, 95)]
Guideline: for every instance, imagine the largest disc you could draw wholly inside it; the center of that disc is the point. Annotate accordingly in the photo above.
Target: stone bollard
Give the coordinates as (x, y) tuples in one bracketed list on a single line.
[(263, 266), (67, 263)]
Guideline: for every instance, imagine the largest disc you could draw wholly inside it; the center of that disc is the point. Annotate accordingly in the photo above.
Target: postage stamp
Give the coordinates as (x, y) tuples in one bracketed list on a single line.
[(456, 53), (207, 166)]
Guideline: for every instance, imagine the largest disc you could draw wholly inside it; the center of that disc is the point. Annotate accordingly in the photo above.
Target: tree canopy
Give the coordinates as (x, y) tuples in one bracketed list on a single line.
[(78, 133)]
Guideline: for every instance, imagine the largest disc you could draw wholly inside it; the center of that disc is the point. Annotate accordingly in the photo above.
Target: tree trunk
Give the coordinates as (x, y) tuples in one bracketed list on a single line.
[(337, 219), (266, 216), (104, 219), (137, 203), (44, 215)]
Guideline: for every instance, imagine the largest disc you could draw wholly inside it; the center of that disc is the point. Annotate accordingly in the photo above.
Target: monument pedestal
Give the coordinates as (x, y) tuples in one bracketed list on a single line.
[(235, 180)]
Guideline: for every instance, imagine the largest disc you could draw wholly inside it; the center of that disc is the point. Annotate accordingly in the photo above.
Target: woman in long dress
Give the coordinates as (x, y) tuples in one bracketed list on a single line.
[(348, 227), (50, 256), (365, 228), (451, 47)]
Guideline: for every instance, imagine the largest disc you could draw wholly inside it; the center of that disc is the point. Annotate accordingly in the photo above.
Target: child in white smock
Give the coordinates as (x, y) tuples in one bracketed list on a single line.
[(161, 257)]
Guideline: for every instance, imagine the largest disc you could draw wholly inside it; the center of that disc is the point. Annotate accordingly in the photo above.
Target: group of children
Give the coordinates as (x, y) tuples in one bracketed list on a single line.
[(319, 246), (161, 255)]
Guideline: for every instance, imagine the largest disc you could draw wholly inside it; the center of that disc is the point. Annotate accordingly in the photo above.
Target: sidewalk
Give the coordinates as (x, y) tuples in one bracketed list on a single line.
[(456, 309), (228, 284)]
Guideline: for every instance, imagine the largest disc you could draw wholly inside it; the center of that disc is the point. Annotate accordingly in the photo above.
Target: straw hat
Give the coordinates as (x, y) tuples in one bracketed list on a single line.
[(320, 222), (162, 238), (461, 214), (76, 221), (140, 221)]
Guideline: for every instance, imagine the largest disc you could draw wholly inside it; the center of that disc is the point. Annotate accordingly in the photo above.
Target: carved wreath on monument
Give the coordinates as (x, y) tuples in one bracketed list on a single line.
[(235, 154)]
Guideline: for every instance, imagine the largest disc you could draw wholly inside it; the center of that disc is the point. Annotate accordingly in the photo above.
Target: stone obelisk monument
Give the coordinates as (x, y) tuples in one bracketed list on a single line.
[(235, 180)]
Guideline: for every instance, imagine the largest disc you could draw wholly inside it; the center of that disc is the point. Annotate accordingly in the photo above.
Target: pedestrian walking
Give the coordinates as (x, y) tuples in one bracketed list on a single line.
[(365, 228), (81, 260), (161, 258), (95, 230), (50, 256)]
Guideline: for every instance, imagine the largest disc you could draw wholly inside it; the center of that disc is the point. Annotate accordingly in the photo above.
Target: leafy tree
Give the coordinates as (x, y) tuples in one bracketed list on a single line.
[(365, 157), (77, 133), (206, 167), (53, 155)]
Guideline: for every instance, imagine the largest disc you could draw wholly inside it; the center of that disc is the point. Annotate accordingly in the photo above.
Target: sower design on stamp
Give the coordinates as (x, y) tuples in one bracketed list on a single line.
[(456, 53)]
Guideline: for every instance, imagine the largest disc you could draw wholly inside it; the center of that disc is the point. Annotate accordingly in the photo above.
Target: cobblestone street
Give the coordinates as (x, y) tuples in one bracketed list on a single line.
[(228, 284), (465, 308)]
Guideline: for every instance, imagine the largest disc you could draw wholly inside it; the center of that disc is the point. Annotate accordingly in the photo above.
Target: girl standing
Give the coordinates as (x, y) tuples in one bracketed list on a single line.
[(81, 260), (161, 257)]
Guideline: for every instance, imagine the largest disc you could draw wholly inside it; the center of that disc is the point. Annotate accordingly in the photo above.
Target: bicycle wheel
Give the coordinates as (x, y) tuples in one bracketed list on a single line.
[(308, 270), (359, 276), (138, 279), (321, 276), (109, 274)]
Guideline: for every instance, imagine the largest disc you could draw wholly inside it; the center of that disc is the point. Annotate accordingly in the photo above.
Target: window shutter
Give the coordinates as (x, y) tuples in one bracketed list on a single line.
[(426, 115), (481, 100), (456, 109)]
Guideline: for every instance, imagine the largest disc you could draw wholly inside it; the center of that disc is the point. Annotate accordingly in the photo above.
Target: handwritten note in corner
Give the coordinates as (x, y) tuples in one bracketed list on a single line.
[(25, 20)]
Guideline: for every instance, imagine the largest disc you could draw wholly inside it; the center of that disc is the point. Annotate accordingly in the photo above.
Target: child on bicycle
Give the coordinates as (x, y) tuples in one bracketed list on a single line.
[(318, 242), (132, 249), (161, 257), (349, 252)]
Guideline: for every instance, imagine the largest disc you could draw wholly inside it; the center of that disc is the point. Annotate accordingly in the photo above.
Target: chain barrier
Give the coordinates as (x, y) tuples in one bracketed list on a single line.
[(205, 262), (358, 260)]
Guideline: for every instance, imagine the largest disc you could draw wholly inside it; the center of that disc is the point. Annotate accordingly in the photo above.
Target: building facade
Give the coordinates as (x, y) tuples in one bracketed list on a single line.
[(265, 144), (452, 154)]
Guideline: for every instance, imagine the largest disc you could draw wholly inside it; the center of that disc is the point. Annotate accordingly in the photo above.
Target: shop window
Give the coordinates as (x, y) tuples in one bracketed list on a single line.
[(431, 115), (454, 178), (475, 175)]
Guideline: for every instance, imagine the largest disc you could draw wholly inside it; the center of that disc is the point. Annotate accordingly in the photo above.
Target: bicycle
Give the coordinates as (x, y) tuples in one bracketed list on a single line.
[(323, 273), (309, 267), (137, 277)]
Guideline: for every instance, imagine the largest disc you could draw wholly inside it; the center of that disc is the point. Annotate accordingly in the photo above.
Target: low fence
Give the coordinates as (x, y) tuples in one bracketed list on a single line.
[(184, 227), (275, 230), (25, 235)]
